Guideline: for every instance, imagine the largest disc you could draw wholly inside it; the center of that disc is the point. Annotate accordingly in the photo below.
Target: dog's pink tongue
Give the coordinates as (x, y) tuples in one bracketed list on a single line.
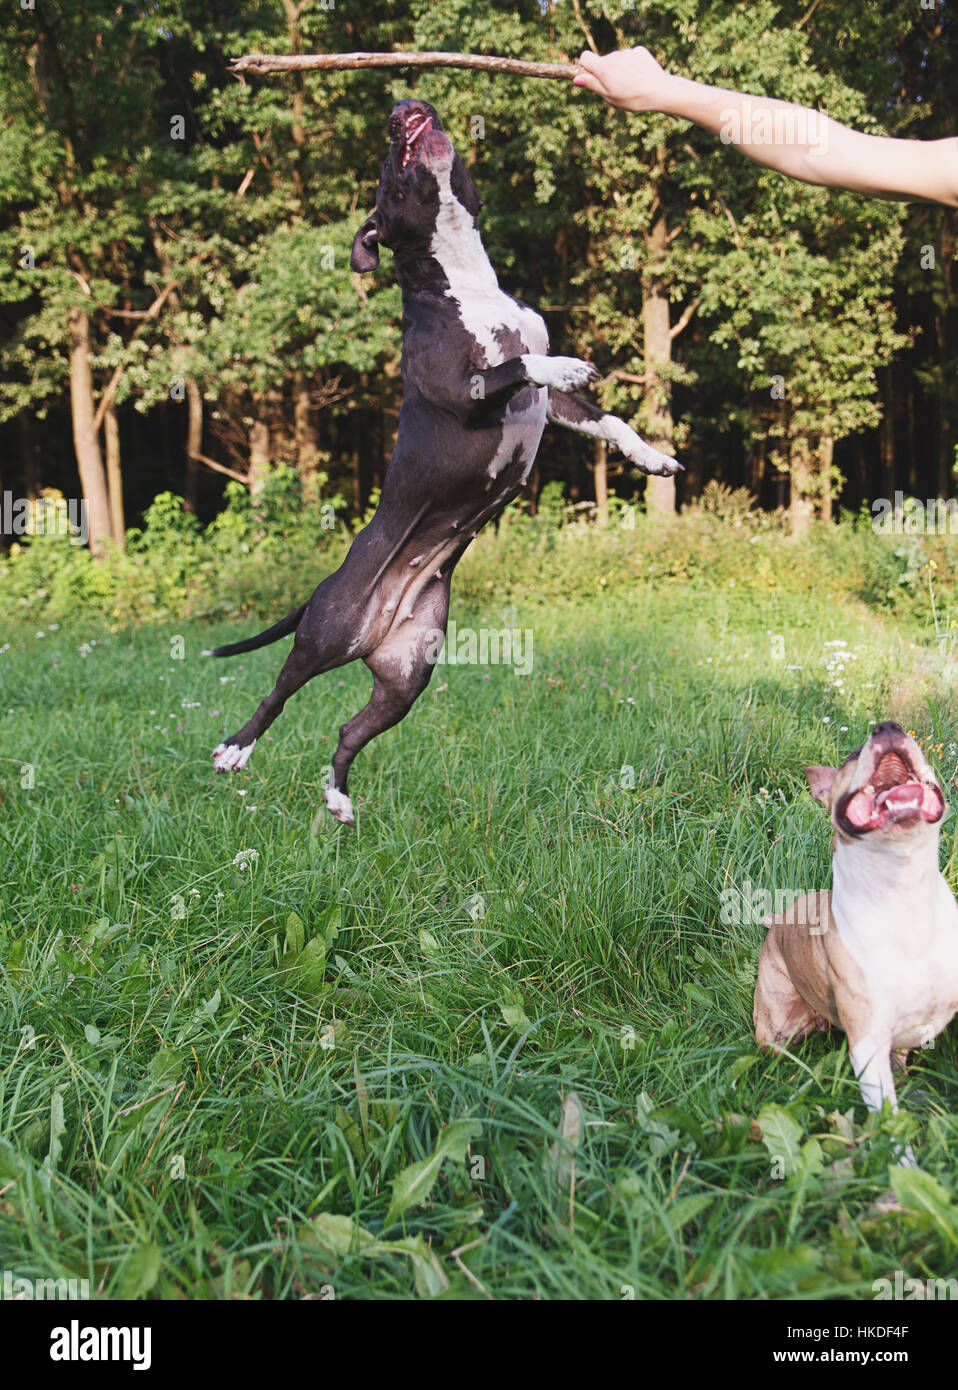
[(861, 809)]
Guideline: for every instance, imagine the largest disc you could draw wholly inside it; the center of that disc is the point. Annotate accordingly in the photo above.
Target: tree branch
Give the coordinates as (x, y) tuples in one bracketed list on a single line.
[(106, 399), (585, 28), (632, 377), (683, 320), (736, 234), (807, 15), (260, 63), (219, 468)]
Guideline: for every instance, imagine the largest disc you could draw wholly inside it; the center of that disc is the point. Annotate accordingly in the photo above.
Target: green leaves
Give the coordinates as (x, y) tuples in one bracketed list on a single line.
[(57, 1130), (339, 1236), (429, 945), (140, 1271), (515, 1016), (661, 1135), (299, 306), (335, 1237), (792, 1156), (11, 1164), (920, 1194), (414, 1184), (303, 961), (202, 1015), (781, 1135), (563, 1151), (686, 1210)]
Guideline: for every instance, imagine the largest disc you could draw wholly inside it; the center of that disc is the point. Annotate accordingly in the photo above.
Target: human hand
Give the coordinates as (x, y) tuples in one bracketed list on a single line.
[(630, 79)]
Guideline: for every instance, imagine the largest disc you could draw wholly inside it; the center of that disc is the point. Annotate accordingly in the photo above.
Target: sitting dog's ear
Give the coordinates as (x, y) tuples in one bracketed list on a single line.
[(820, 781), (365, 252)]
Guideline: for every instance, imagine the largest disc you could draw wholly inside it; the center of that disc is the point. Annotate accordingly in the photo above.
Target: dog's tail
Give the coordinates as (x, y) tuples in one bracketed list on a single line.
[(272, 634)]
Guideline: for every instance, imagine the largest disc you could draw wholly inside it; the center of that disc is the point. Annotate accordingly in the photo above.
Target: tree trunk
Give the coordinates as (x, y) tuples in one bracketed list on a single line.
[(601, 473), (530, 493), (886, 436), (298, 128), (359, 490), (913, 443), (282, 446), (32, 474), (89, 459), (258, 456), (756, 475), (194, 442), (114, 477), (307, 450), (693, 456), (659, 492), (945, 446), (800, 473), (826, 454)]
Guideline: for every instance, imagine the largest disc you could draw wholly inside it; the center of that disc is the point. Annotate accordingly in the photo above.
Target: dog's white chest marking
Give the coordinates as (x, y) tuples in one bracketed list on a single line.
[(522, 430), (904, 937), (493, 320)]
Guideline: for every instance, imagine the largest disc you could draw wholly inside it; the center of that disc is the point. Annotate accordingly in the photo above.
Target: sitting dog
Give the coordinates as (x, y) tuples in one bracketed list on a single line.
[(878, 955), (478, 388)]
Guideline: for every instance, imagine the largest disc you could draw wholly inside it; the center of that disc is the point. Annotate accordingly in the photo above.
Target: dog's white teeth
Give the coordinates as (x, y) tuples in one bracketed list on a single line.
[(869, 789)]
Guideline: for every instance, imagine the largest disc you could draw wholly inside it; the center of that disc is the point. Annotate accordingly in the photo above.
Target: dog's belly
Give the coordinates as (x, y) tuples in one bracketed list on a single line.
[(433, 507), (446, 480), (455, 469)]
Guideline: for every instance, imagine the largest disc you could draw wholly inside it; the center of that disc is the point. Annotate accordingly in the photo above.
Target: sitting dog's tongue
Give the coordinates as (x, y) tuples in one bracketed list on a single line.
[(891, 790), (892, 793), (860, 810)]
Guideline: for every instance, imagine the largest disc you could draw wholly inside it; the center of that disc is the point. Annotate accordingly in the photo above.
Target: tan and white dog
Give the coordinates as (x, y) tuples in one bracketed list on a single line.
[(878, 955)]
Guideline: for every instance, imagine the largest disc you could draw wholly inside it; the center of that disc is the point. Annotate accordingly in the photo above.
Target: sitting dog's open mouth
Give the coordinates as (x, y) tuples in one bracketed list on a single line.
[(896, 793), (405, 132)]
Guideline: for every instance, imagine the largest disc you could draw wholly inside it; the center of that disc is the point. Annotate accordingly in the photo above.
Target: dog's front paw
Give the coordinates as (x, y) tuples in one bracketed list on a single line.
[(230, 757), (561, 373), (648, 459)]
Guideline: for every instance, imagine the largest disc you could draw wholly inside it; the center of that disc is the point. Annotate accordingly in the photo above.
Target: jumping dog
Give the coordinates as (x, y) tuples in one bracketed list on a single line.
[(478, 389)]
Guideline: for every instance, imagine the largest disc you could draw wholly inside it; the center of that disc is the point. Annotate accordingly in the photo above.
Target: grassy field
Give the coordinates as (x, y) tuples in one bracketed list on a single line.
[(497, 1041)]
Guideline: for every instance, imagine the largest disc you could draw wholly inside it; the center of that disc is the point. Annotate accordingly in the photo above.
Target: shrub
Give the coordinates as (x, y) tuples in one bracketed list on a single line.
[(262, 556)]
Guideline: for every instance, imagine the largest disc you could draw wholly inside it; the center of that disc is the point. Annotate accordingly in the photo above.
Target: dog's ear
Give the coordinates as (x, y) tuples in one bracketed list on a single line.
[(365, 252), (820, 781)]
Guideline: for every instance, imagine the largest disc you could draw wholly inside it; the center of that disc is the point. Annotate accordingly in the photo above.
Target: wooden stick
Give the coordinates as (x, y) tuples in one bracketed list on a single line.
[(307, 62)]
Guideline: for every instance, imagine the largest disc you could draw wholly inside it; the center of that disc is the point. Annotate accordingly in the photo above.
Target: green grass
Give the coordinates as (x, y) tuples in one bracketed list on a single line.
[(203, 1063)]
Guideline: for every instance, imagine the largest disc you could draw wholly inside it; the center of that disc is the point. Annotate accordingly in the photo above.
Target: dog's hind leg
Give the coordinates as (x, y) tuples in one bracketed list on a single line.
[(326, 637), (299, 667), (402, 666), (780, 1014)]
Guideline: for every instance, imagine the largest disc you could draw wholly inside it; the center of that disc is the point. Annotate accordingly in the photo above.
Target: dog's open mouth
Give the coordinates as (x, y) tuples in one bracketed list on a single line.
[(406, 131), (895, 794)]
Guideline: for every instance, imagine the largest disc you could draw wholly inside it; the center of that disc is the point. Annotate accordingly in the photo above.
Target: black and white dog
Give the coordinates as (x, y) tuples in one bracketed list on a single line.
[(478, 388)]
